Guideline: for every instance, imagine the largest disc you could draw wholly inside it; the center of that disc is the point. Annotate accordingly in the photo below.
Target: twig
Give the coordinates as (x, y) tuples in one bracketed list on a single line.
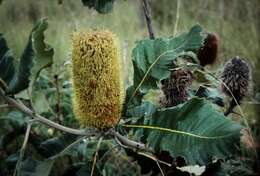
[(29, 92), (120, 144), (4, 106), (96, 155), (148, 19), (22, 150), (154, 158), (158, 164), (21, 107), (56, 83), (177, 18), (108, 152), (127, 142), (81, 132), (67, 148)]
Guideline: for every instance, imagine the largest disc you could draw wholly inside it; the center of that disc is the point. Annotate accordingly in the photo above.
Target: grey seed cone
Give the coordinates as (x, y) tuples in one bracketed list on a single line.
[(236, 77)]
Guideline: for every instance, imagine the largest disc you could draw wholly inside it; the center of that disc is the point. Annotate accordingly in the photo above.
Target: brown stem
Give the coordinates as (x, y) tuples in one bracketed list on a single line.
[(57, 106), (81, 132), (127, 142), (148, 19)]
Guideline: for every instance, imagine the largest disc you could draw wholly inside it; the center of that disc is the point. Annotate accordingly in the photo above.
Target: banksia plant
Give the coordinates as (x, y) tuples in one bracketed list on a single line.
[(96, 76), (207, 54), (175, 89), (235, 80)]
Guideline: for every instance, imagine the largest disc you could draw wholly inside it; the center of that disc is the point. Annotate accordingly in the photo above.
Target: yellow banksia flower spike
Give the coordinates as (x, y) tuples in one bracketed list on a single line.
[(96, 77)]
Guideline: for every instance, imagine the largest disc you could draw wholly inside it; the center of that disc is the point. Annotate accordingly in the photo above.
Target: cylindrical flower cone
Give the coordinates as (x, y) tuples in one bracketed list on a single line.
[(96, 75)]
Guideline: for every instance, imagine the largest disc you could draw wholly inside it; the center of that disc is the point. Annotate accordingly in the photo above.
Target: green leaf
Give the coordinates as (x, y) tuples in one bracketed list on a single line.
[(43, 52), (236, 166), (117, 162), (194, 130), (86, 170), (31, 167), (135, 101), (40, 102), (36, 56), (12, 159), (21, 79), (55, 145), (152, 59), (102, 6), (211, 94), (7, 69)]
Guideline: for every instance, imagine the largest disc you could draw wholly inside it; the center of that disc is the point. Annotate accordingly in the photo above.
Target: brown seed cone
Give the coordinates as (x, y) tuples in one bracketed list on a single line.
[(207, 54), (175, 89)]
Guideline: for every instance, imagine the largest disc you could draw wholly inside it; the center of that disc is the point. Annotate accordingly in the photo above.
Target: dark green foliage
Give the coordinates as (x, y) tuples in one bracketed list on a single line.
[(211, 94), (102, 6), (55, 145), (36, 56), (230, 167), (218, 139), (152, 59), (35, 168), (43, 52), (21, 80), (6, 61), (194, 130)]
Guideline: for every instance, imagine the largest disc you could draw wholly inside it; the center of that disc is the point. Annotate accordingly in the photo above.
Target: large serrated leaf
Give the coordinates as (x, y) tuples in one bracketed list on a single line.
[(36, 56), (152, 59), (43, 52), (21, 79), (102, 6), (194, 130)]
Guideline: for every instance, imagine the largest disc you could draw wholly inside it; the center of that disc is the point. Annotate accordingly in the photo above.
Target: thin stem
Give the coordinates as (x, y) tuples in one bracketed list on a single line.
[(81, 132), (57, 106), (4, 106), (108, 152), (22, 150), (158, 164), (21, 107), (96, 155), (148, 19), (177, 18), (67, 148), (154, 158), (29, 92)]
